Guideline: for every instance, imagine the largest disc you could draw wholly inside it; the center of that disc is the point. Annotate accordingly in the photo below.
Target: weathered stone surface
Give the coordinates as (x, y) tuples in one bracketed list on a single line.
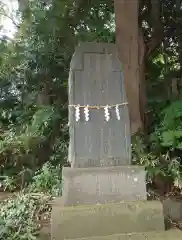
[(96, 79), (162, 235), (173, 209), (84, 186), (108, 219), (45, 233)]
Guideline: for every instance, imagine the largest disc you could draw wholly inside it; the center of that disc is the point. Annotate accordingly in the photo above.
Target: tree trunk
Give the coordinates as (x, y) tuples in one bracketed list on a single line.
[(133, 53), (130, 46)]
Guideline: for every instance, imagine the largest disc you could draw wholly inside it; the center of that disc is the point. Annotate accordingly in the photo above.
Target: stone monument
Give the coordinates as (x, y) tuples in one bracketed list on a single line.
[(100, 147), (96, 80), (103, 194)]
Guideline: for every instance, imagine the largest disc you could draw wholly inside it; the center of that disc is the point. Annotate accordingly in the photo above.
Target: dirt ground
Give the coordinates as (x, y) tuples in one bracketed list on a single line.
[(4, 195)]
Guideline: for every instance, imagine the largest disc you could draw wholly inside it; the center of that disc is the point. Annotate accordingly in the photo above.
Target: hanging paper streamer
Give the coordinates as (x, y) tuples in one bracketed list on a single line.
[(77, 113), (106, 110), (117, 112), (107, 114), (86, 112)]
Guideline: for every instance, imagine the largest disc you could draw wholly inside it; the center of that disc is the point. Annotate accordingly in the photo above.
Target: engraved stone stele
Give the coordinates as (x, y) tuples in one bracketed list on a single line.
[(96, 79)]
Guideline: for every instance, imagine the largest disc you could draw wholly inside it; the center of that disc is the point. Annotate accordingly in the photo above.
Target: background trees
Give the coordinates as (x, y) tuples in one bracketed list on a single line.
[(34, 68), (34, 71)]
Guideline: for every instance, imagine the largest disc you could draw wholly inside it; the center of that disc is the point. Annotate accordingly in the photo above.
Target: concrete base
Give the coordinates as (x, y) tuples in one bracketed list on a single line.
[(172, 209), (163, 235), (108, 219), (102, 185)]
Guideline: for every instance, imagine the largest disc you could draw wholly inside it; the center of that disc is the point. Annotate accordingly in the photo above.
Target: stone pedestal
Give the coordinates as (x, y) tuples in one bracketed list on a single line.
[(106, 219), (83, 186), (173, 209), (157, 235)]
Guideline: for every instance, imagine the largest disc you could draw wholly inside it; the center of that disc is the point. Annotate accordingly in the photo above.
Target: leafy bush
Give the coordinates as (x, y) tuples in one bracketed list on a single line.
[(155, 164), (19, 148), (7, 183), (19, 216), (161, 153), (171, 126), (47, 180)]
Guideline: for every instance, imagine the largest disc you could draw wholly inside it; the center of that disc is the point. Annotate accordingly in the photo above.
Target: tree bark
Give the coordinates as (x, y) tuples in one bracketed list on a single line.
[(133, 52), (130, 46)]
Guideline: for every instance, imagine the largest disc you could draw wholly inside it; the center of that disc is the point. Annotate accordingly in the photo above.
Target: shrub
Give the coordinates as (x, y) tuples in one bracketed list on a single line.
[(47, 180), (18, 216)]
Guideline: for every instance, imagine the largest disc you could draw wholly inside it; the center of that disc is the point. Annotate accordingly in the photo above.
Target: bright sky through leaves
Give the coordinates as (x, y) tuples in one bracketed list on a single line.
[(9, 28)]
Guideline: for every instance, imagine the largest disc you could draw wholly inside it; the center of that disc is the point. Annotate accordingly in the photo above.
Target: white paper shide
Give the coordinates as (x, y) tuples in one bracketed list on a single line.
[(87, 113), (117, 112), (77, 113), (107, 114)]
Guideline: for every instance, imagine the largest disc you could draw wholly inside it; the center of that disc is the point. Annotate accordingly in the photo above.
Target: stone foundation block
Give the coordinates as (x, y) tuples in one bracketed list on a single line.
[(102, 185), (163, 235), (173, 209), (107, 219)]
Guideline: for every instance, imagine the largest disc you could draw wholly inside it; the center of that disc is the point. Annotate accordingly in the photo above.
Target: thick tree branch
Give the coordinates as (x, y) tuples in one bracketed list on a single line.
[(158, 31)]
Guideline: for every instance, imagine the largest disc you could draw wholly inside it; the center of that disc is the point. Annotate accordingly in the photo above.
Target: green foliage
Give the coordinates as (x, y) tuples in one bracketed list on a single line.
[(33, 81), (17, 150), (8, 183), (47, 180), (19, 216), (171, 126), (34, 68), (140, 156), (155, 164)]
